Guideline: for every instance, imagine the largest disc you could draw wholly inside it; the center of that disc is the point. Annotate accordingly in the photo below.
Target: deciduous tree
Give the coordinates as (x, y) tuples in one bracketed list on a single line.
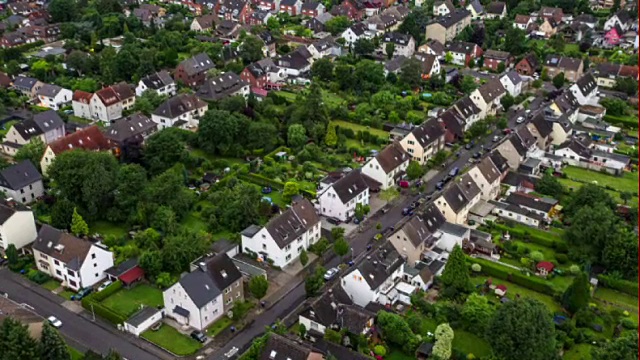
[(477, 312), (415, 170), (623, 348), (79, 227), (444, 339), (31, 151), (341, 247), (258, 286)]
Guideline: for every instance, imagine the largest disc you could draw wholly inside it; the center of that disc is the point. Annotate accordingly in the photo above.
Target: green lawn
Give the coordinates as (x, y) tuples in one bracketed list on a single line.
[(470, 344), (127, 302), (616, 297), (172, 340), (396, 354), (356, 127), (578, 352), (205, 155), (75, 354), (193, 221), (79, 120), (51, 285), (66, 294), (217, 327), (571, 48), (575, 185), (513, 289), (627, 182), (330, 99), (106, 228)]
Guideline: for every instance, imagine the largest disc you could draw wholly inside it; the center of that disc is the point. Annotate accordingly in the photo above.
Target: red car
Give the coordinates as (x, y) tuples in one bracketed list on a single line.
[(404, 184), (507, 131)]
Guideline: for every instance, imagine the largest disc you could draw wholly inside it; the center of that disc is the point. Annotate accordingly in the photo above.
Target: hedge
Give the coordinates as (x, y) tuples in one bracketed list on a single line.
[(628, 121), (627, 287), (264, 181), (92, 301), (530, 282), (533, 236)]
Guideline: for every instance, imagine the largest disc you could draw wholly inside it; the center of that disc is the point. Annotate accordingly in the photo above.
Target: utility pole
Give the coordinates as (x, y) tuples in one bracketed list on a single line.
[(93, 313)]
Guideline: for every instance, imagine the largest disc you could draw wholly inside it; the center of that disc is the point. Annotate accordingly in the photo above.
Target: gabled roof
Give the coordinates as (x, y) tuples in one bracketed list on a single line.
[(179, 105), (197, 64), (446, 3), (383, 262), (279, 347), (416, 230), (222, 270), (453, 121), (578, 146), (17, 176), (40, 123), (49, 90), (452, 18), (532, 59), (107, 96), (516, 179), (455, 198), (157, 80), (522, 19), (436, 46), (488, 170), (513, 76), (129, 127), (82, 96), (24, 82), (206, 21), (567, 102), (491, 90), (432, 218), (311, 5), (292, 223), (468, 186), (525, 136), (477, 6), (428, 132), (562, 62), (89, 138), (623, 16), (530, 201), (466, 107), (544, 127), (496, 7), (395, 63), (221, 86), (8, 208), (499, 161), (461, 47), (587, 84), (496, 54), (391, 157), (62, 246), (349, 186)]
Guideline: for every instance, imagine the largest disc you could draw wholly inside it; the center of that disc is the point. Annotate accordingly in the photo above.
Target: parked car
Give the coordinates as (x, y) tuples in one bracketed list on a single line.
[(496, 138), (477, 155), (407, 211), (104, 285), (82, 293), (198, 336), (404, 184), (440, 185), (520, 120), (454, 171), (331, 273), (54, 322), (334, 221), (386, 208)]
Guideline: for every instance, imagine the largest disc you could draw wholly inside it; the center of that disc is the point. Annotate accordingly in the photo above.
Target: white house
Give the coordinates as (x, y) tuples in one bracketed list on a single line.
[(205, 294), (297, 62), (621, 19), (443, 8), (338, 197), (222, 86), (522, 22), (456, 201), (53, 96), (516, 213), (487, 176), (357, 31), (539, 205), (81, 103), (387, 165), (403, 44), (46, 126), (424, 141), (374, 279), (566, 105), (108, 103), (77, 263), (159, 82), (17, 225), (183, 110), (512, 82), (284, 237), (21, 182), (476, 9), (468, 111), (335, 310), (585, 90), (487, 97)]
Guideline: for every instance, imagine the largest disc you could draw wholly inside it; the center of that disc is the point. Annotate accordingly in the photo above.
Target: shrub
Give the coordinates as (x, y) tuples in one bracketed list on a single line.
[(38, 277), (562, 258), (476, 268), (628, 324), (379, 350), (627, 287)]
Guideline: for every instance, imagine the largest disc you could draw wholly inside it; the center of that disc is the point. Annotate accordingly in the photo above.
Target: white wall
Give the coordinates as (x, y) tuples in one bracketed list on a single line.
[(198, 318), (516, 217), (309, 324), (97, 261), (332, 206), (19, 230), (357, 288), (27, 194), (81, 109), (262, 242), (137, 330), (488, 191)]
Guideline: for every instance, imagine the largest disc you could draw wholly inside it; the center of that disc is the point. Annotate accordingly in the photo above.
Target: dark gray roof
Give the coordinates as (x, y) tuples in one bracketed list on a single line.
[(499, 161), (461, 47), (197, 64), (516, 179), (436, 46), (310, 5), (292, 223), (466, 107), (526, 138), (396, 63), (416, 230), (63, 246), (142, 315), (17, 176), (452, 18), (544, 127), (567, 102), (397, 38), (491, 90), (578, 146), (587, 84), (461, 193), (489, 170), (453, 121), (436, 265), (454, 229), (623, 16), (129, 127), (349, 186), (428, 132), (222, 270), (221, 86), (468, 186), (49, 90), (562, 62), (279, 347), (391, 157), (40, 123), (477, 6), (179, 105), (496, 7), (296, 59), (157, 80), (24, 83), (384, 261), (251, 231), (496, 54), (122, 268), (513, 76), (529, 201), (338, 351), (200, 287)]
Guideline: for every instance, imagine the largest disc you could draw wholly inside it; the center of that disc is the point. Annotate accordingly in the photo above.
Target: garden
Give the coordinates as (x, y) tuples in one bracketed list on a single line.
[(128, 301), (172, 340)]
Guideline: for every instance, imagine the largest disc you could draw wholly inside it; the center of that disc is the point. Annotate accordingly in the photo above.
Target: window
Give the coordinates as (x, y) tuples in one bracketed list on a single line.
[(59, 272), (44, 256), (96, 274), (288, 257), (264, 246), (95, 265), (21, 191), (71, 273), (31, 187), (227, 290), (73, 283), (93, 256)]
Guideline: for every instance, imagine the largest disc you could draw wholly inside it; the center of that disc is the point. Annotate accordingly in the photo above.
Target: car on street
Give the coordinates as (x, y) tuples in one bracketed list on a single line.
[(454, 171), (507, 131), (104, 285), (477, 155), (333, 221), (54, 322), (520, 120), (496, 138), (386, 208), (440, 185), (331, 273), (198, 336)]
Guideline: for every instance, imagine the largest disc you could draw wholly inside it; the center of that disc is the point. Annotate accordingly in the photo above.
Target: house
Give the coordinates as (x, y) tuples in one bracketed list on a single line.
[(403, 44), (585, 90), (317, 24), (133, 129), (27, 86), (542, 130), (443, 8), (487, 97), (382, 23), (424, 141), (323, 48), (284, 237), (566, 105), (107, 104), (512, 82), (183, 111), (387, 165), (500, 162), (614, 35), (621, 19), (355, 32), (142, 320), (476, 9), (544, 207), (15, 38), (205, 294), (279, 347), (204, 23), (237, 11), (480, 243), (495, 10), (269, 48), (577, 152), (259, 17), (487, 176), (334, 310), (159, 82), (46, 126), (17, 225), (528, 66), (89, 138), (516, 213), (586, 19), (572, 68), (545, 268), (493, 59), (453, 124), (297, 62), (553, 13), (430, 65), (419, 275), (446, 28), (463, 53), (81, 103), (467, 110), (412, 239), (518, 145), (398, 13), (77, 263), (548, 28), (223, 86), (291, 7), (21, 182), (192, 71), (459, 197), (339, 196), (352, 9), (149, 13), (229, 31), (522, 22), (607, 74), (269, 5), (5, 81), (262, 73), (53, 96), (374, 279), (312, 9), (433, 47)]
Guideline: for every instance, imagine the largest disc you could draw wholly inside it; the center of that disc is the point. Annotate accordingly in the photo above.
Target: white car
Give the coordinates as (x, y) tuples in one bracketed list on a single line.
[(520, 120), (331, 273), (104, 285), (54, 322)]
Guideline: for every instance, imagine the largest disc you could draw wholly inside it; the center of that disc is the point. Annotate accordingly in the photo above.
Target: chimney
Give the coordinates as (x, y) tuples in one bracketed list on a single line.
[(203, 266)]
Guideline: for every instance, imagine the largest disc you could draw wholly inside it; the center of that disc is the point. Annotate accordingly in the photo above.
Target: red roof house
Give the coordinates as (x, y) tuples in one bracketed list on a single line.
[(545, 268)]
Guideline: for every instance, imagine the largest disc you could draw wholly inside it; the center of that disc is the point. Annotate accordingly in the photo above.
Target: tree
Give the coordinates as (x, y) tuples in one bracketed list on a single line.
[(558, 80), (331, 139), (576, 296), (12, 254), (411, 73), (620, 253), (363, 46), (16, 342), (151, 263), (624, 347), (591, 229), (588, 195), (90, 355), (389, 49), (549, 185), (258, 286), (314, 281), (62, 11), (507, 102), (164, 149), (296, 136), (167, 190), (536, 256), (341, 247), (522, 329), (477, 312), (626, 196), (304, 257), (32, 151), (251, 49), (148, 102), (455, 277), (395, 329), (627, 85), (221, 132), (337, 25), (78, 226), (52, 346), (333, 336), (290, 190), (615, 107), (515, 41), (444, 339), (322, 69), (131, 183), (61, 213), (414, 170), (467, 84)]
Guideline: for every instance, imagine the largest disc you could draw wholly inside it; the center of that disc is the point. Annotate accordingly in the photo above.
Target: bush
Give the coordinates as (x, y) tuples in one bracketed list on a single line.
[(38, 277), (574, 269), (562, 258), (379, 350), (108, 291), (628, 324), (627, 287)]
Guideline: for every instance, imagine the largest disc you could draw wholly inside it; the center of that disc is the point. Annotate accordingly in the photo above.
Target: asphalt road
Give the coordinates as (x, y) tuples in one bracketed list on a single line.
[(74, 327)]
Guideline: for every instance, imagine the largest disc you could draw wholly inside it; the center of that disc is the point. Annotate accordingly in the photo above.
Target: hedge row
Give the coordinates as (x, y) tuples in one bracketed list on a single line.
[(264, 181), (501, 272), (627, 287), (92, 302), (535, 237), (622, 120)]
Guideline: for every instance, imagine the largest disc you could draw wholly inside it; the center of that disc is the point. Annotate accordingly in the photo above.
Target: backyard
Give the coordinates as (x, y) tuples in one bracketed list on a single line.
[(172, 340), (356, 127), (627, 182), (106, 228), (513, 290), (127, 301)]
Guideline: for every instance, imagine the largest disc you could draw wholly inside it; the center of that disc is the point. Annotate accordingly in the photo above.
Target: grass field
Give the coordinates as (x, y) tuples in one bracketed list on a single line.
[(172, 340), (51, 285), (66, 294), (617, 298), (578, 352), (106, 228), (571, 47), (330, 99), (575, 185), (513, 289), (627, 182), (127, 302), (356, 127)]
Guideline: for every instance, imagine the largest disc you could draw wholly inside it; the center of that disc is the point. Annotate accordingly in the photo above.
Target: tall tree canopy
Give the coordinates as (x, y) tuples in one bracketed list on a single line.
[(455, 277)]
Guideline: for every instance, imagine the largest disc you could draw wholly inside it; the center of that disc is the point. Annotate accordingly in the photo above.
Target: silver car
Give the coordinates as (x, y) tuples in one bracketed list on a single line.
[(331, 273)]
